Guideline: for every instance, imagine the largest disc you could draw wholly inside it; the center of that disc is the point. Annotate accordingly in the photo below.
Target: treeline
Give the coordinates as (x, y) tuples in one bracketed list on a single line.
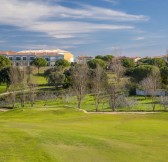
[(107, 78)]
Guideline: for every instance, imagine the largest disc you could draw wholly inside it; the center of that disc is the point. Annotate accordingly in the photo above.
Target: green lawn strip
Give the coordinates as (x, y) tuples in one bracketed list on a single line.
[(70, 135)]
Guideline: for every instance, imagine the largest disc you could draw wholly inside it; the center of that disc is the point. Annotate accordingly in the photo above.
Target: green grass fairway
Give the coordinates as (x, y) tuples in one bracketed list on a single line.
[(68, 135)]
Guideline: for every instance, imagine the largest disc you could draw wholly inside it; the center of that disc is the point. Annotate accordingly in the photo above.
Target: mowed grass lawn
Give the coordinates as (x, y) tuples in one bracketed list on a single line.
[(68, 135)]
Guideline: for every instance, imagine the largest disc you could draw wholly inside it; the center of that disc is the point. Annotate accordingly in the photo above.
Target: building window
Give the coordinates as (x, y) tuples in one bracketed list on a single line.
[(10, 58), (18, 58), (24, 58), (31, 58)]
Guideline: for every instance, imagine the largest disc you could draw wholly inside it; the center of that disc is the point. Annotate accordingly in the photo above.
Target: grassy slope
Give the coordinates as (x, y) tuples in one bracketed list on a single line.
[(65, 135)]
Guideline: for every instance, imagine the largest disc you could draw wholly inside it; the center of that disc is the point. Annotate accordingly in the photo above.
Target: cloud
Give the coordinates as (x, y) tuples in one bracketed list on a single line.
[(3, 41), (111, 1), (112, 15), (14, 11), (139, 38), (72, 29), (45, 17), (43, 46)]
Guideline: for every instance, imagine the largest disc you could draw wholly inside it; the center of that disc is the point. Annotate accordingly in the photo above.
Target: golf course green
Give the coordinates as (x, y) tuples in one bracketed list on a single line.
[(69, 135)]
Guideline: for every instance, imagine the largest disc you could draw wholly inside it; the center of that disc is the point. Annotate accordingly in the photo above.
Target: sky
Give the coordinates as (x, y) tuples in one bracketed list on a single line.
[(86, 27)]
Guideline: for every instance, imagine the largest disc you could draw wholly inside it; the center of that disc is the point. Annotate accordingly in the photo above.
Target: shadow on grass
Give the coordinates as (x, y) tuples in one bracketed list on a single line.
[(156, 102), (40, 74)]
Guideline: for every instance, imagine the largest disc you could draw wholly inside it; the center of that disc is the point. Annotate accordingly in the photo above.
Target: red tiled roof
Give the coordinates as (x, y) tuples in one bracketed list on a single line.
[(8, 52), (36, 52)]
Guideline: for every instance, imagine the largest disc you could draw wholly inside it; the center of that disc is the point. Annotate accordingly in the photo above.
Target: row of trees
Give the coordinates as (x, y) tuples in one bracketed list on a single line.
[(82, 80), (93, 78), (127, 75)]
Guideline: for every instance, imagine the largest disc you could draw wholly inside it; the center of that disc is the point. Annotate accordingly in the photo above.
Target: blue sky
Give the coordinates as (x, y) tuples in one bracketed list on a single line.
[(86, 27)]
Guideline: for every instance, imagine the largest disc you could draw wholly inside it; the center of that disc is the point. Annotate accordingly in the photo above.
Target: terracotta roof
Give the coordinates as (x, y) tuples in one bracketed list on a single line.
[(43, 51), (10, 52), (36, 52), (1, 52), (7, 52), (47, 54)]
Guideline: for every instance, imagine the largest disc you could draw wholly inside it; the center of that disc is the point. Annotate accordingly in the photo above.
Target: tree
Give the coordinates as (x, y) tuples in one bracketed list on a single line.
[(159, 62), (50, 70), (164, 102), (128, 62), (67, 95), (146, 61), (117, 69), (46, 96), (142, 71), (61, 63), (5, 78), (150, 84), (16, 77), (39, 62), (68, 74), (31, 82), (99, 82), (4, 62), (108, 58), (99, 57), (22, 86), (79, 82), (56, 79), (94, 62), (116, 86), (114, 91), (49, 75), (164, 74), (10, 75)]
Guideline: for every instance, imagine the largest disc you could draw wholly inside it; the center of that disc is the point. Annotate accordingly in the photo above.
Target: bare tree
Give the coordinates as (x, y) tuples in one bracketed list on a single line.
[(10, 99), (31, 82), (22, 86), (68, 95), (29, 72), (79, 82), (116, 86), (31, 93), (114, 92), (116, 51), (117, 68), (46, 96), (164, 102), (151, 84), (15, 78), (99, 82)]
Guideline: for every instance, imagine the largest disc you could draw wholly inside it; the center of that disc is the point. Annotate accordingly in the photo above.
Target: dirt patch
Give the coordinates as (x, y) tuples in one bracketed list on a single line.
[(4, 110), (118, 112)]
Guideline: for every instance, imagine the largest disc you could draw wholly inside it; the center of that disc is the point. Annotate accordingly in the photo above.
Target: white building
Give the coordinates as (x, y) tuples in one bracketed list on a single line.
[(24, 58)]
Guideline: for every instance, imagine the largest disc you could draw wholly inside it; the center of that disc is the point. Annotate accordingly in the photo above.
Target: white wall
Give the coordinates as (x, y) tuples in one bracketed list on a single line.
[(159, 92)]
